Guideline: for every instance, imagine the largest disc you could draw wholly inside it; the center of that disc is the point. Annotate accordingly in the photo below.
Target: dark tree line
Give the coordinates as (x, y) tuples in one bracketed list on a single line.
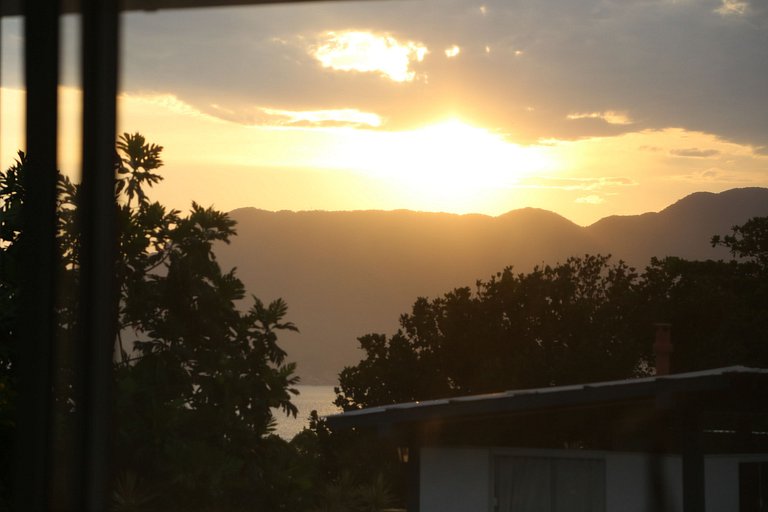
[(587, 319)]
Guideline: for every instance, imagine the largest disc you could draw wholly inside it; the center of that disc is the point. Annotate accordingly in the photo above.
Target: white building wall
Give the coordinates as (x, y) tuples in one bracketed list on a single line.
[(629, 482), (722, 476), (461, 479), (455, 480)]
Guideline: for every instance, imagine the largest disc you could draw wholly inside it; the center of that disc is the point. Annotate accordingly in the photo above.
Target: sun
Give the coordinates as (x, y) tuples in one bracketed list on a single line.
[(454, 154), (450, 165)]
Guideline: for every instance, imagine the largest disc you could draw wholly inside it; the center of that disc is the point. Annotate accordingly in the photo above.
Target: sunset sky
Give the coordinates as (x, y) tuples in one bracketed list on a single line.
[(588, 108)]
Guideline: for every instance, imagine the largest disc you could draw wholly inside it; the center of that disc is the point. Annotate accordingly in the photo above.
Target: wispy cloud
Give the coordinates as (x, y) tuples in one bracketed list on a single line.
[(368, 52), (166, 101), (695, 152), (732, 7), (609, 116), (273, 116), (259, 115), (713, 175), (453, 51), (576, 183), (333, 117), (590, 199)]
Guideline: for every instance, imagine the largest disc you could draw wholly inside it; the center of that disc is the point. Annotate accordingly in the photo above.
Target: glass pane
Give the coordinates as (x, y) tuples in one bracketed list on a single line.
[(524, 484), (283, 114), (579, 485), (11, 89), (15, 196), (541, 484), (11, 140)]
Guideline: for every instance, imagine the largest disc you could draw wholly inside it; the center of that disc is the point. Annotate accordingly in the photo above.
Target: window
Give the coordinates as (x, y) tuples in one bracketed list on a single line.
[(545, 484), (753, 487)]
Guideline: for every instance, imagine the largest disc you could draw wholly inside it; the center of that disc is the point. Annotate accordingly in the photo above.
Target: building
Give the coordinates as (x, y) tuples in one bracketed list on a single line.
[(682, 442)]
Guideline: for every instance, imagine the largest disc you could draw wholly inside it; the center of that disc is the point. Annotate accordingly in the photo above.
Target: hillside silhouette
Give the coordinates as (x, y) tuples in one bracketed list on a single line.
[(345, 274)]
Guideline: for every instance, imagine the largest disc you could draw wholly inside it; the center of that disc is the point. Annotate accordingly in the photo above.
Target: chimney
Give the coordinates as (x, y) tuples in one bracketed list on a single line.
[(662, 348)]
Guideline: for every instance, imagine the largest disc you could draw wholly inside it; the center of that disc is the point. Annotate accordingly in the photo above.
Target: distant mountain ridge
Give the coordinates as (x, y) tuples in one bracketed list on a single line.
[(682, 229), (348, 273)]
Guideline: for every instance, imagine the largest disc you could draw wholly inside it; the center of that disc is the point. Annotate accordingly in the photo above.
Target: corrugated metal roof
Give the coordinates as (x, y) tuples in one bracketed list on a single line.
[(536, 398)]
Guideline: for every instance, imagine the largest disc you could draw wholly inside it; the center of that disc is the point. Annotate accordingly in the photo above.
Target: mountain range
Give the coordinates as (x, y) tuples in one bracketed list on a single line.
[(349, 273)]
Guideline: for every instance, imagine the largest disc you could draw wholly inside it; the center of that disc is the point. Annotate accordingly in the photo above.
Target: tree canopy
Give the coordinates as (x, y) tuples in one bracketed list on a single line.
[(748, 241), (553, 325), (197, 391), (198, 372), (587, 319)]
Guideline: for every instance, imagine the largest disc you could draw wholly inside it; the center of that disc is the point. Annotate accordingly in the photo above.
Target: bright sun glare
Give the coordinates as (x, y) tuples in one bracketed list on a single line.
[(445, 164)]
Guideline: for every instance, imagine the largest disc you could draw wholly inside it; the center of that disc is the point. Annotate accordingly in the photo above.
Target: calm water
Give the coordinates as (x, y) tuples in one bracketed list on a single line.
[(319, 398)]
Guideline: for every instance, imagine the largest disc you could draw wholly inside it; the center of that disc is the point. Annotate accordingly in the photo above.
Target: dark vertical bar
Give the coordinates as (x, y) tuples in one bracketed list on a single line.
[(38, 246), (99, 236), (658, 482), (693, 465), (414, 478), (749, 487)]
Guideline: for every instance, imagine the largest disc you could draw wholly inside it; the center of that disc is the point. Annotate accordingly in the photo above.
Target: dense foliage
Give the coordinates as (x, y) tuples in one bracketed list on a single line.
[(587, 319), (197, 379), (196, 393), (11, 194), (546, 327)]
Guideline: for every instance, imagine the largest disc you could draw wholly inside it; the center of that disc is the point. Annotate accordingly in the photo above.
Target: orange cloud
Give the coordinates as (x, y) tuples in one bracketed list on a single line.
[(368, 52)]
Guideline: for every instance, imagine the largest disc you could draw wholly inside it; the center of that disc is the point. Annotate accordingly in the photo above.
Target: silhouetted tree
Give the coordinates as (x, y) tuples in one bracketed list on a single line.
[(583, 320), (587, 319), (748, 241), (197, 384), (573, 322), (352, 471), (11, 200), (718, 311)]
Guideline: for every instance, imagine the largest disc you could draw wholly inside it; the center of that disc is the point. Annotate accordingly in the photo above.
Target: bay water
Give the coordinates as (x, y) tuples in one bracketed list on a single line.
[(319, 398)]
